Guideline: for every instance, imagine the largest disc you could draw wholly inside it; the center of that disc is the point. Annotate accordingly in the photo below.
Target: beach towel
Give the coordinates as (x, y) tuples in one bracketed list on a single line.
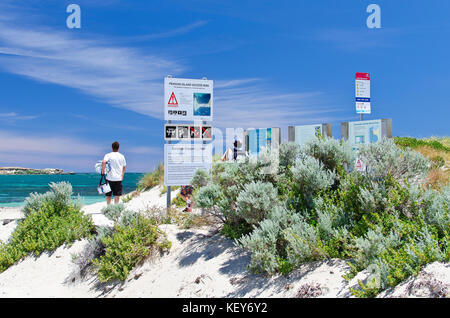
[(98, 166)]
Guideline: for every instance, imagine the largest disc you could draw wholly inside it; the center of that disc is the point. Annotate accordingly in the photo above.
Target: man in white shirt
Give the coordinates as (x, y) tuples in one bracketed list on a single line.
[(115, 175)]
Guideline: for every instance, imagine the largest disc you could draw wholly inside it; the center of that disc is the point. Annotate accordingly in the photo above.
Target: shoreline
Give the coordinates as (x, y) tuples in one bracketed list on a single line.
[(31, 171)]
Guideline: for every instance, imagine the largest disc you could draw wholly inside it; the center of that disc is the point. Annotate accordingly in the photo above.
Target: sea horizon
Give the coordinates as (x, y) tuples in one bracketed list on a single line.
[(14, 189)]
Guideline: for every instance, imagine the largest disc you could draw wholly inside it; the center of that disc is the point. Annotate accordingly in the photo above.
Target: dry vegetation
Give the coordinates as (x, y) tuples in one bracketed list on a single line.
[(437, 149)]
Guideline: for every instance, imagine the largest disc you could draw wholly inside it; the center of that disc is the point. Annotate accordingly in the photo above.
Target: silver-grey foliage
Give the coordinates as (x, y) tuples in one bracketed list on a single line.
[(256, 201), (311, 175), (385, 158), (60, 193), (332, 153), (113, 211)]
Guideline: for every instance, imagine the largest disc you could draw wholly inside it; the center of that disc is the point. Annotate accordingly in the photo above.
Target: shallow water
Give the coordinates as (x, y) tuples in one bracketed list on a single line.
[(15, 188)]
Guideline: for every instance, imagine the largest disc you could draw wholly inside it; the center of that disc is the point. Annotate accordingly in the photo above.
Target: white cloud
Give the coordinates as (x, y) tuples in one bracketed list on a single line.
[(11, 143), (145, 150), (129, 78), (12, 117), (358, 39)]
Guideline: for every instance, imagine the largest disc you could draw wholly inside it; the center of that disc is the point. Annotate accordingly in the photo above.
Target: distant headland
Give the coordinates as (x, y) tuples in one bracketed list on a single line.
[(20, 170)]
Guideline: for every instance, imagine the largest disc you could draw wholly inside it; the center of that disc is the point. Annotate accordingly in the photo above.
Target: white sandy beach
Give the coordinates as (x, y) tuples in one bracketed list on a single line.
[(201, 263)]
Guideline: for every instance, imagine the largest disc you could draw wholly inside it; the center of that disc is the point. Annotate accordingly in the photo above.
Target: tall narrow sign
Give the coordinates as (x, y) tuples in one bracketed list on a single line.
[(362, 90)]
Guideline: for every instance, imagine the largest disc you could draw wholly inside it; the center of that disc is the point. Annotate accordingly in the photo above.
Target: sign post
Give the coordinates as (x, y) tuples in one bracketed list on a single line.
[(362, 92), (187, 100)]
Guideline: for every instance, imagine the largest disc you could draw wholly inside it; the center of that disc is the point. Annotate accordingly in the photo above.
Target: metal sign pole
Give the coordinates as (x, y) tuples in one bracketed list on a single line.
[(169, 188)]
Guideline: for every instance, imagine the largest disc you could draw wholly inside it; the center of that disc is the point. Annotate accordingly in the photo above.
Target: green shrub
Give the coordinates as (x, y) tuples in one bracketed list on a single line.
[(256, 201), (179, 201), (154, 178), (384, 158), (289, 152), (310, 177), (314, 205), (113, 211), (333, 154), (416, 143), (52, 219), (127, 247), (201, 178)]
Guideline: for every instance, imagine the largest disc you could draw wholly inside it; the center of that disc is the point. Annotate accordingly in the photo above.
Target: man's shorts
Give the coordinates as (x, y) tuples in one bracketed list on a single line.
[(116, 188)]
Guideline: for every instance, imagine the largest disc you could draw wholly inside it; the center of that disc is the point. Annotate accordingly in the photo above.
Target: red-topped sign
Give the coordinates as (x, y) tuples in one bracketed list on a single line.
[(363, 76)]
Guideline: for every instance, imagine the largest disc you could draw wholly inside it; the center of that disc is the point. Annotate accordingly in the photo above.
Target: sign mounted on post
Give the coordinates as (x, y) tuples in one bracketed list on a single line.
[(362, 92), (182, 160), (188, 99), (256, 139), (187, 132), (366, 132), (302, 134)]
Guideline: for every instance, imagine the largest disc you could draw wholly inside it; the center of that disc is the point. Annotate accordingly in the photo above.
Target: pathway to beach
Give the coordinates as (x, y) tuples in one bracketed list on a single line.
[(201, 263)]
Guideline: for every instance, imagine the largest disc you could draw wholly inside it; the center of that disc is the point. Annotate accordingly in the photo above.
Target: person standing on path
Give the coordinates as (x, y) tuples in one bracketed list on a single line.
[(115, 175)]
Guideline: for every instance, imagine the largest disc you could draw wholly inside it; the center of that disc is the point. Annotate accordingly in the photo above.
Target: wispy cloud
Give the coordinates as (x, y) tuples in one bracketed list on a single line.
[(256, 105), (121, 76), (145, 150), (12, 143), (176, 32), (129, 78), (356, 39), (12, 117)]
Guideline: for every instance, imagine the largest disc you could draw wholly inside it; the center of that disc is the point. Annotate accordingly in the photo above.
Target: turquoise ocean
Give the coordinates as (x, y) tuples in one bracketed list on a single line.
[(15, 188)]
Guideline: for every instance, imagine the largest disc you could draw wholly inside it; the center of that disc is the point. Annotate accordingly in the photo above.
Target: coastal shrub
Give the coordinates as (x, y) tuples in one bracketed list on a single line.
[(256, 201), (289, 152), (151, 179), (334, 155), (302, 242), (60, 195), (178, 201), (416, 143), (130, 196), (115, 251), (436, 207), (52, 220), (310, 177), (384, 221), (127, 247), (385, 158), (266, 242), (113, 211), (201, 178)]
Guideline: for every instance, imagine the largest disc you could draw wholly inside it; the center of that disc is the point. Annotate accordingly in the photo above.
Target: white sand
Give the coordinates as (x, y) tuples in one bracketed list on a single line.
[(201, 263)]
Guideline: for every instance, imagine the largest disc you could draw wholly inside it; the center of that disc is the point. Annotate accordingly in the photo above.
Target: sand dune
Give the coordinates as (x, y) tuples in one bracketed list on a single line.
[(201, 263)]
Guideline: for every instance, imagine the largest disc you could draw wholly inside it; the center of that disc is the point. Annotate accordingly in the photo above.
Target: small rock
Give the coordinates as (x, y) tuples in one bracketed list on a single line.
[(288, 286), (136, 276)]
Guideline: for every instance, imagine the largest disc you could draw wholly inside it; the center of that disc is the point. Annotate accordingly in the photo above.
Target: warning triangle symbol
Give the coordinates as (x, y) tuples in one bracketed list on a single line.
[(173, 100)]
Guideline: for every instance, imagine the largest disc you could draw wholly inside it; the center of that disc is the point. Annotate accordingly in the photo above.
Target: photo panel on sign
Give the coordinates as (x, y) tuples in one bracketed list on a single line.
[(183, 132), (195, 132), (171, 132), (207, 132), (188, 99)]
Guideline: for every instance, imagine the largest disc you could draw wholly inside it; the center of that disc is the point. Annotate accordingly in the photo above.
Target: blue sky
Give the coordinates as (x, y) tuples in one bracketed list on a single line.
[(67, 94)]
